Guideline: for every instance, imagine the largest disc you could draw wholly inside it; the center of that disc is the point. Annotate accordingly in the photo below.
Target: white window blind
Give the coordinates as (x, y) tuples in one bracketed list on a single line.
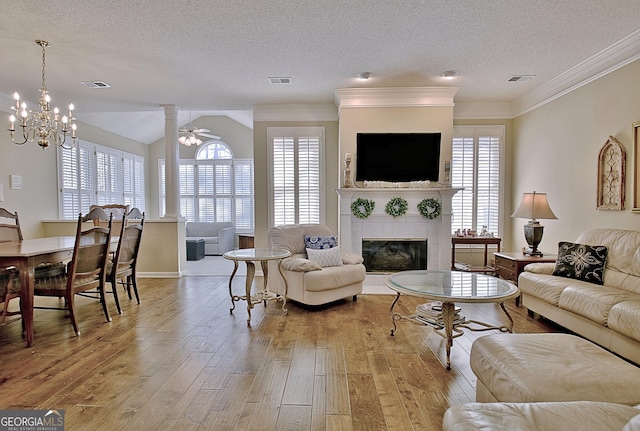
[(214, 187), (91, 174), (476, 166), (296, 189)]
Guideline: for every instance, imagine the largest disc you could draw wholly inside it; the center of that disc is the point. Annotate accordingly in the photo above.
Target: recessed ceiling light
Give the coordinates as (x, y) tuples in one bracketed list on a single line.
[(450, 74), (363, 76)]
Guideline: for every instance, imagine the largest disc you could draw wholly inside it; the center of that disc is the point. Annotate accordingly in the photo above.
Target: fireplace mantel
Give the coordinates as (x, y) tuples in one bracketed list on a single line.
[(411, 225)]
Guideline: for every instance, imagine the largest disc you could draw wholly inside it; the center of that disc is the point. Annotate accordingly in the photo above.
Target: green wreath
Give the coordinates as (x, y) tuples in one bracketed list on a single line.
[(430, 208), (396, 207), (362, 208)]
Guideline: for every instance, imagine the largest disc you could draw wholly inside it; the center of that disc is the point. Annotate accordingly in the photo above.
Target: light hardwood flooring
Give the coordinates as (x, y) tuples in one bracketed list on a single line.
[(181, 361)]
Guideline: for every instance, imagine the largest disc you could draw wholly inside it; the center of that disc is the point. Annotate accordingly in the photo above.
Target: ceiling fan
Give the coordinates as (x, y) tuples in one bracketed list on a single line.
[(191, 136)]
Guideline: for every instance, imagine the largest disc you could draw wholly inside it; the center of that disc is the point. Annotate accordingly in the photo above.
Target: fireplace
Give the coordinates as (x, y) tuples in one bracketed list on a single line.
[(381, 226), (392, 255)]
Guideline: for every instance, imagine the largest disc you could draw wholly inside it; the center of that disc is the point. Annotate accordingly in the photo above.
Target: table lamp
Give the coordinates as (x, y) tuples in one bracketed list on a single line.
[(533, 206)]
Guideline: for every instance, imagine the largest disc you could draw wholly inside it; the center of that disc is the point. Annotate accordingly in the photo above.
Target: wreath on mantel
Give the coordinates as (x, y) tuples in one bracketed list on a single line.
[(430, 208), (362, 208), (396, 207)]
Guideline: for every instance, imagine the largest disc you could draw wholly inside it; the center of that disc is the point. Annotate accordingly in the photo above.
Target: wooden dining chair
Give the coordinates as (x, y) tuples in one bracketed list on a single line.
[(116, 210), (86, 272), (9, 276), (122, 268)]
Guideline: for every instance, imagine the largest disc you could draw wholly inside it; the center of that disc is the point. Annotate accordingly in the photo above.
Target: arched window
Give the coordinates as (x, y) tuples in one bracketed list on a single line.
[(212, 150), (215, 186)]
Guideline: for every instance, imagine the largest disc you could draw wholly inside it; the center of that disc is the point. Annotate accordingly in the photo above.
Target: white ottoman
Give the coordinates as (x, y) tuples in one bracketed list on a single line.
[(524, 368)]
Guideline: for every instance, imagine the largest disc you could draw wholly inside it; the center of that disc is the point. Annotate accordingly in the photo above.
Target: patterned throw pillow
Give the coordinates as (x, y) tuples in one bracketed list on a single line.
[(326, 257), (581, 261), (320, 242)]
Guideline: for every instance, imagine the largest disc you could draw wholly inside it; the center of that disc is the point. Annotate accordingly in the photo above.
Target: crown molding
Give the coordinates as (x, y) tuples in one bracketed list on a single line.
[(295, 112), (621, 53), (394, 97)]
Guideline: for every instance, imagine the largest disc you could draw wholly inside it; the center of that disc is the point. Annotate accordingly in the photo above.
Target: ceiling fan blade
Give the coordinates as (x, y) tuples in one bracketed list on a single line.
[(209, 135), (201, 130)]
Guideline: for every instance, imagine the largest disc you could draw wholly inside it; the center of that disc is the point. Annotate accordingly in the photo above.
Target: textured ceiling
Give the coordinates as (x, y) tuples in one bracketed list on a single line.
[(212, 56)]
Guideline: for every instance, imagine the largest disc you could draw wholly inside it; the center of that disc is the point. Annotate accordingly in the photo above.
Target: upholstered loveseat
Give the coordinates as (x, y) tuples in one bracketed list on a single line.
[(312, 282), (219, 237), (608, 313)]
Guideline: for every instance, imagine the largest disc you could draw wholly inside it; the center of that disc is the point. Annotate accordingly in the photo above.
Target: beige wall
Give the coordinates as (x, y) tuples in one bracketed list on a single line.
[(262, 177), (556, 151)]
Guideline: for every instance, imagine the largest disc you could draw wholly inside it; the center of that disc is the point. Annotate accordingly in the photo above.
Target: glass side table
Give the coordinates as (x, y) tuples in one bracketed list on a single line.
[(249, 256)]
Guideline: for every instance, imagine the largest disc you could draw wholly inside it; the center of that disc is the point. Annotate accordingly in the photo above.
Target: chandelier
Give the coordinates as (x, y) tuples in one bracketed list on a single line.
[(45, 125)]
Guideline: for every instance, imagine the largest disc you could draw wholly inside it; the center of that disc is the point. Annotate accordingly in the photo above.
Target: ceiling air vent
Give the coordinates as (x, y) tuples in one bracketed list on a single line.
[(521, 78), (95, 84), (279, 80)]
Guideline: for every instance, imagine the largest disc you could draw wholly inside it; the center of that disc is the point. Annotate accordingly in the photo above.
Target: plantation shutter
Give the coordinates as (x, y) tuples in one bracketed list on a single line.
[(91, 174), (476, 166), (214, 187), (295, 161), (243, 182)]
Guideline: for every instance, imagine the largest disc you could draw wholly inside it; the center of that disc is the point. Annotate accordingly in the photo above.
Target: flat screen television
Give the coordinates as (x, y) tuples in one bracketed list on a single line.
[(397, 157)]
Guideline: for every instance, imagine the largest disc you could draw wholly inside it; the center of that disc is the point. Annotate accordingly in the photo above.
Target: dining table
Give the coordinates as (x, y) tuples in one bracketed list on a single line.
[(26, 255)]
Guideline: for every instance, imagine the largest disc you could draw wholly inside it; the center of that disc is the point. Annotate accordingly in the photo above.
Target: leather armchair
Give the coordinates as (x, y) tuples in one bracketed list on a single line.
[(308, 282)]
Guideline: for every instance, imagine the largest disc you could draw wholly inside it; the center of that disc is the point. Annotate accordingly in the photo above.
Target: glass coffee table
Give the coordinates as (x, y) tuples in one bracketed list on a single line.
[(249, 256), (450, 288)]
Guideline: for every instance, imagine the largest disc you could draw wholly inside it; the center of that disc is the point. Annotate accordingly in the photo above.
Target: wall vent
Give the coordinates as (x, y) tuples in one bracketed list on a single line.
[(95, 84), (279, 80)]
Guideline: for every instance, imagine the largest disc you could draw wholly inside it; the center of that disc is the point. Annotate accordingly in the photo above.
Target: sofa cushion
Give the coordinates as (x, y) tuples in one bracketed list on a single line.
[(592, 301), (544, 286), (326, 257), (206, 229), (318, 242), (572, 415), (623, 248), (334, 277), (552, 367), (581, 262), (624, 318)]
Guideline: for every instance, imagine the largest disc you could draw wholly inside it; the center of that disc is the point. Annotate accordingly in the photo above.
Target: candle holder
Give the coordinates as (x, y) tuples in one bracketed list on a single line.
[(347, 174)]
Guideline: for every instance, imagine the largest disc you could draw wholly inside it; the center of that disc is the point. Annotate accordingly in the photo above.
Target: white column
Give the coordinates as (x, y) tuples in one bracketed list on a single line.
[(171, 162)]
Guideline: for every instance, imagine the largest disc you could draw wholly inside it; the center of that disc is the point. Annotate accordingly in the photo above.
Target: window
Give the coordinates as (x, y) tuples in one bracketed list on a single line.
[(296, 172), (214, 187), (476, 165), (90, 174)]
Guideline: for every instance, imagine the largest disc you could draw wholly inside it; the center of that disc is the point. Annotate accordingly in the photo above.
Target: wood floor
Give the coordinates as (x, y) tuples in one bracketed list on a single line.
[(181, 361)]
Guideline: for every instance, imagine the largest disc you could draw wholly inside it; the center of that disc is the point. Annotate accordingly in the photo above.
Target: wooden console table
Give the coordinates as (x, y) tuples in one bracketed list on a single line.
[(510, 265), (473, 240)]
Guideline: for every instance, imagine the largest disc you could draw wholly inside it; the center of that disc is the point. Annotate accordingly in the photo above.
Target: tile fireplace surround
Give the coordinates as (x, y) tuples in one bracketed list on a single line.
[(380, 225)]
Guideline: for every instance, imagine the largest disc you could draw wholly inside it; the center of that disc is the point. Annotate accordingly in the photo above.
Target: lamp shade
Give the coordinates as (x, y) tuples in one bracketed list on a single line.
[(534, 206)]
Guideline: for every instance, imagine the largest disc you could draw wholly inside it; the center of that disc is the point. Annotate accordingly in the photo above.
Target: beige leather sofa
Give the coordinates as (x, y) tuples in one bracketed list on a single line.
[(309, 283), (607, 314)]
